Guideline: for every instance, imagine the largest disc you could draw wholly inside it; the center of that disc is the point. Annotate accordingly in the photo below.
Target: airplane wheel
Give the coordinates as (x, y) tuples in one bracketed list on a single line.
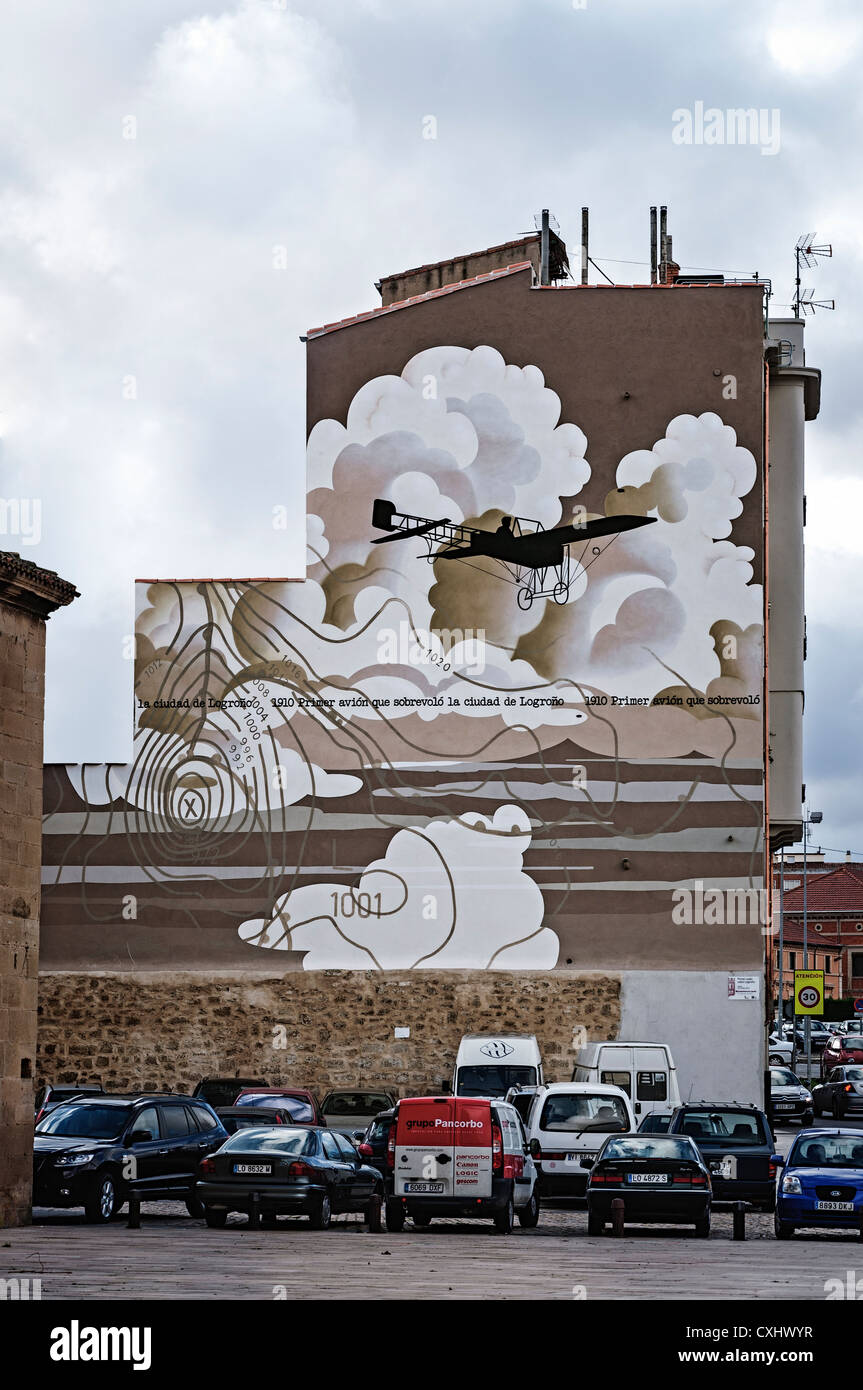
[(560, 592), (524, 598)]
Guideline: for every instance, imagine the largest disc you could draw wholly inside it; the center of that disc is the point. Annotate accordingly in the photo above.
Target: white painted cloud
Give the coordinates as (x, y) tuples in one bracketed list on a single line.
[(448, 895)]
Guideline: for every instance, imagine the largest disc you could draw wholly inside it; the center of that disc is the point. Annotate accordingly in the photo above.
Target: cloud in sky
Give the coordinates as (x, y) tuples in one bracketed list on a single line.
[(151, 378)]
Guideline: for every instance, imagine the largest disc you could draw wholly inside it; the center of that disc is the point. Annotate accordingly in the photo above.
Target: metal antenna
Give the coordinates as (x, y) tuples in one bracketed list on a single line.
[(806, 253)]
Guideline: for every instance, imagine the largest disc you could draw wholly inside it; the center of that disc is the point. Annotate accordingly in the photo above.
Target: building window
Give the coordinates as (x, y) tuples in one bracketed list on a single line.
[(818, 926), (859, 926), (827, 964), (856, 963), (792, 960)]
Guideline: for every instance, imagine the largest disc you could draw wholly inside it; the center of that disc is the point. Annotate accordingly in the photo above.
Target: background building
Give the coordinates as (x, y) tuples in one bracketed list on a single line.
[(423, 793), (28, 596)]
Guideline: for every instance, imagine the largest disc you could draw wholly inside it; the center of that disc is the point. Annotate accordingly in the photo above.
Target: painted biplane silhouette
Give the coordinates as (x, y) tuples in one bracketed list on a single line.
[(536, 560)]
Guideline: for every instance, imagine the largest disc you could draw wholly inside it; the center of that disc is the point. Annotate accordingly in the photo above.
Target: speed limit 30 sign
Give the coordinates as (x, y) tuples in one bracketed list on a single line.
[(809, 991)]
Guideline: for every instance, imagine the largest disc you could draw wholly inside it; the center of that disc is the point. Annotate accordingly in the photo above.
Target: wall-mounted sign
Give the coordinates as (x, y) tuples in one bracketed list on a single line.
[(744, 987)]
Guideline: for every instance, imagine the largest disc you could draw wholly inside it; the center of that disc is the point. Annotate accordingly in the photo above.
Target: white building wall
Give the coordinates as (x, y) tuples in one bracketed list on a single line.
[(717, 1042)]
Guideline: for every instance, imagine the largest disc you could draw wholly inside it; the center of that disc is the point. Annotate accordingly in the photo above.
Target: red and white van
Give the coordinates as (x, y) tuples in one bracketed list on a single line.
[(459, 1156)]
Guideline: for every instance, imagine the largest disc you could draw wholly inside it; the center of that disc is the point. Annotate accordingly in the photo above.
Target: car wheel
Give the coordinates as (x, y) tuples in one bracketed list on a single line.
[(783, 1230), (195, 1207), (775, 1059), (528, 1215), (595, 1225), (215, 1218), (270, 1222), (702, 1227), (320, 1218), (101, 1202), (421, 1219), (374, 1213), (395, 1216), (504, 1218)]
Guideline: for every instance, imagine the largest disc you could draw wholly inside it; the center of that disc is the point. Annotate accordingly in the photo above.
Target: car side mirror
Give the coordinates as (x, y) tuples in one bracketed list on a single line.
[(534, 1148), (777, 1160), (141, 1136), (586, 1163)]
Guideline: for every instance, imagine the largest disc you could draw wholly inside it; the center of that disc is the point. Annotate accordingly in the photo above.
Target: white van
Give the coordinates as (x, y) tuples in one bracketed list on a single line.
[(569, 1121), (488, 1064), (644, 1070)]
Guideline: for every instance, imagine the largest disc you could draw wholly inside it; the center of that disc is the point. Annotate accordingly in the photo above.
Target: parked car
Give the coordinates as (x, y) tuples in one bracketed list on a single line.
[(288, 1170), (820, 1036), (780, 1051), (235, 1117), (521, 1098), (654, 1123), (223, 1090), (372, 1148), (822, 1183), (302, 1104), (852, 1025), (841, 1092), (488, 1065), (351, 1112), (48, 1097), (570, 1120), (737, 1144), (83, 1150), (459, 1156), (658, 1177), (842, 1051), (644, 1070), (789, 1098)]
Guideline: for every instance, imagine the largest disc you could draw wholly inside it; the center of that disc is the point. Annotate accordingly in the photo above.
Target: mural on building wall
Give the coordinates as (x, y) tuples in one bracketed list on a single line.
[(418, 758)]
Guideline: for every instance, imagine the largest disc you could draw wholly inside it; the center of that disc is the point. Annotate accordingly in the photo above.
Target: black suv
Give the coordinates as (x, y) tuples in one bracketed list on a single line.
[(737, 1145), (97, 1151)]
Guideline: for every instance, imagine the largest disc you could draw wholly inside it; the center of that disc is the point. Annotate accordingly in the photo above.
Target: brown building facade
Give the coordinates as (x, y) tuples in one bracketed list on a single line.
[(466, 754)]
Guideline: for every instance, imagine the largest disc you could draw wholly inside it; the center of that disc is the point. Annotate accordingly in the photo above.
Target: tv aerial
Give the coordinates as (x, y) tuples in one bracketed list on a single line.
[(806, 253)]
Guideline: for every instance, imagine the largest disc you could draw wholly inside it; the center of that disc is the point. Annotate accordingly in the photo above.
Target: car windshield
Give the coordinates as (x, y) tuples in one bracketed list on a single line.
[(493, 1081), (355, 1103), (637, 1147), (278, 1140), (854, 1073), (781, 1076), (577, 1110), (86, 1121), (297, 1108), (654, 1124), (724, 1126), (828, 1151)]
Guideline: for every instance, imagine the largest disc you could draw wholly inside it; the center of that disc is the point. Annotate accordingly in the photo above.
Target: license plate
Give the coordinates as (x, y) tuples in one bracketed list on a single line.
[(253, 1167), (782, 1105), (424, 1187), (834, 1206), (572, 1158), (647, 1177)]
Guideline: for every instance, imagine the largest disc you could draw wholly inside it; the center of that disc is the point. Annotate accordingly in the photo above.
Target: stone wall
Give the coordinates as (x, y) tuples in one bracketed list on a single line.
[(22, 659), (333, 1028)]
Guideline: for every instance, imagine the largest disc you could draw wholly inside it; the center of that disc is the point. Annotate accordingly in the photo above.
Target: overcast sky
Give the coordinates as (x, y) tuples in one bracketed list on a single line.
[(155, 153)]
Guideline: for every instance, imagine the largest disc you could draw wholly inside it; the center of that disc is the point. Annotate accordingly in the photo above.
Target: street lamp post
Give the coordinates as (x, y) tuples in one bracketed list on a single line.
[(810, 818)]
